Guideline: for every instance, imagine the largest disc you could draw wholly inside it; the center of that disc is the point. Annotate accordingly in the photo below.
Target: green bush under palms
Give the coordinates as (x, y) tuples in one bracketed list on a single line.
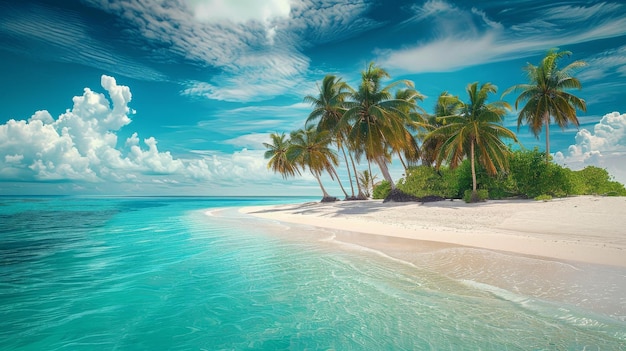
[(529, 176)]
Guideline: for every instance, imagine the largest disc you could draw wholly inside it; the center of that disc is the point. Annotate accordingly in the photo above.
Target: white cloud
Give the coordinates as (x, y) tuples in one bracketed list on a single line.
[(459, 40), (81, 144), (581, 13), (254, 48), (249, 141), (323, 21), (266, 12), (81, 147), (66, 37), (603, 147), (433, 8), (258, 119), (605, 64), (448, 54), (254, 76), (468, 38), (239, 11)]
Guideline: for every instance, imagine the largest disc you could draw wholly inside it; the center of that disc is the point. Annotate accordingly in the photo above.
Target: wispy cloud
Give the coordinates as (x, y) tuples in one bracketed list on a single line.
[(254, 48), (444, 55), (258, 119), (582, 13), (605, 64), (250, 50), (256, 76), (324, 21), (433, 8), (253, 141), (485, 40), (239, 11), (64, 36)]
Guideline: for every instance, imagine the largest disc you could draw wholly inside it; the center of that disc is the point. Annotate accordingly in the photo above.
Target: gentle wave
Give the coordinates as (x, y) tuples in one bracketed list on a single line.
[(159, 274)]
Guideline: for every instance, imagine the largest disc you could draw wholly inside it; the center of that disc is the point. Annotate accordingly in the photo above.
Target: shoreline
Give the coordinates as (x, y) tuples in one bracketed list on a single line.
[(586, 229)]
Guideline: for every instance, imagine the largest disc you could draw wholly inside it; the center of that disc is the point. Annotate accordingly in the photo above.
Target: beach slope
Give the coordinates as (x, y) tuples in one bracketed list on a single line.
[(586, 229)]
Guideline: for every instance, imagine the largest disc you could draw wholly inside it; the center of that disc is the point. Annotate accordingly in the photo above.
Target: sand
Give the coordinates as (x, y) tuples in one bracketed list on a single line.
[(570, 251), (585, 229)]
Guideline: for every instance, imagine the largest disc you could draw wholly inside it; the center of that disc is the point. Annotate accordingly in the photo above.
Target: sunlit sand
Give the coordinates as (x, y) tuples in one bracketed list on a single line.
[(570, 251), (586, 229)]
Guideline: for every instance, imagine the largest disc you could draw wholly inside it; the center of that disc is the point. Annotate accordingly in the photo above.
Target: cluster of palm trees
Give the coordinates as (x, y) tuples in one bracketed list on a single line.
[(375, 122)]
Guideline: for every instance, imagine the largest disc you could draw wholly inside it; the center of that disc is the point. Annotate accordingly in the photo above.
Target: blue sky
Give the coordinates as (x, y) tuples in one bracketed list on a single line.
[(155, 97)]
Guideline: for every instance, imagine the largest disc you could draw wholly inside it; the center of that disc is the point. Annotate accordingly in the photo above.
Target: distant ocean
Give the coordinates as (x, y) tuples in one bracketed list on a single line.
[(144, 273)]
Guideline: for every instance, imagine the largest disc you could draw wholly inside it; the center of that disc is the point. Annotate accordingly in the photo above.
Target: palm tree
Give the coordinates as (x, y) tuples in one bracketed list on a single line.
[(476, 132), (309, 149), (327, 112), (277, 155), (412, 113), (447, 106), (377, 119), (368, 180), (545, 95)]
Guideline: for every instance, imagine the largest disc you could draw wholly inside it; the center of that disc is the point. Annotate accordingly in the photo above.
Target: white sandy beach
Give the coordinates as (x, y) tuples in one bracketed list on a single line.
[(569, 251), (585, 229)]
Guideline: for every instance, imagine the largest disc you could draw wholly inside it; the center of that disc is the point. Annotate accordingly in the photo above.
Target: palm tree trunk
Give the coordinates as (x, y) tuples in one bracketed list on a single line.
[(403, 164), (473, 163), (339, 181), (369, 166), (319, 181), (385, 171), (358, 183), (547, 119), (345, 157)]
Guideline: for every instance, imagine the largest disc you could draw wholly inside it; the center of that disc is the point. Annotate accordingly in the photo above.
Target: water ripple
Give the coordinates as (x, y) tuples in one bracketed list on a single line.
[(166, 276)]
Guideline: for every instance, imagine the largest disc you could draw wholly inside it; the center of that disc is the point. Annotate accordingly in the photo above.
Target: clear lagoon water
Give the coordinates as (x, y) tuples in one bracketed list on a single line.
[(81, 273)]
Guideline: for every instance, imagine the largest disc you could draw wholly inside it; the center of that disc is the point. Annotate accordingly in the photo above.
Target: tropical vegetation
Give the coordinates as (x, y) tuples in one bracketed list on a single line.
[(545, 96), (474, 130), (461, 150), (529, 176)]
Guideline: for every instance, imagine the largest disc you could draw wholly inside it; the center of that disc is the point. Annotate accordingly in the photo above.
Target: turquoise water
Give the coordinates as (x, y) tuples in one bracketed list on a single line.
[(194, 274)]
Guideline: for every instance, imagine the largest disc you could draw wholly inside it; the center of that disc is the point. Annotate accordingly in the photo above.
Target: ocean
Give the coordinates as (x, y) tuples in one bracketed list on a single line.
[(192, 273)]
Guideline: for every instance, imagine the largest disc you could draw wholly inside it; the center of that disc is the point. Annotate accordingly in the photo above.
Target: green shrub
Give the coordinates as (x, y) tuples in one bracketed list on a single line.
[(529, 176), (543, 197), (424, 181), (464, 176), (381, 190), (533, 176), (499, 186), (595, 181), (480, 195)]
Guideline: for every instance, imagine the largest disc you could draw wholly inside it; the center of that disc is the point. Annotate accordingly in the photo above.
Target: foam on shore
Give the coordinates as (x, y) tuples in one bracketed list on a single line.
[(570, 251), (585, 229)]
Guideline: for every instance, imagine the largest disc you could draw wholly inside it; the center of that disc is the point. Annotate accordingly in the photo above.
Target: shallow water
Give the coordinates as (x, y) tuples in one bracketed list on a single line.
[(161, 273)]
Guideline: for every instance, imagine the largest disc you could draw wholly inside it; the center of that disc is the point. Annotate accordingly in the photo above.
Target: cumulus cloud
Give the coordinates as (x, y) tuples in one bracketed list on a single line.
[(81, 144), (604, 146)]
